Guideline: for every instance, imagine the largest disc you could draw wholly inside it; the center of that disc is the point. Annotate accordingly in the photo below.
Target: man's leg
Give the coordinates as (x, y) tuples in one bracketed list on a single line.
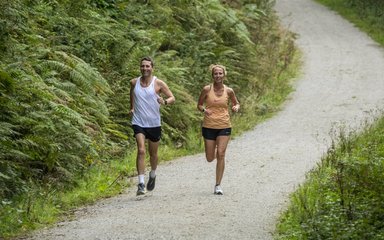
[(140, 162), (153, 159), (140, 159), (153, 149)]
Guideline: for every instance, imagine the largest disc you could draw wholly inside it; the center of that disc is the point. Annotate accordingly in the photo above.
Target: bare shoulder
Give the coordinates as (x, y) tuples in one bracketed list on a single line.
[(229, 90), (160, 82), (206, 88), (133, 81)]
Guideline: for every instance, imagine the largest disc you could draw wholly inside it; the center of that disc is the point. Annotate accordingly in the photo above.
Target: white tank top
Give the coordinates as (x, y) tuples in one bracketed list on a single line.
[(146, 112)]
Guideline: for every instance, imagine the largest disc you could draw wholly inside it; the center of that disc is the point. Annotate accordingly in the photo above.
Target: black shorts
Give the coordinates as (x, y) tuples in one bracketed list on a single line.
[(153, 134), (212, 134)]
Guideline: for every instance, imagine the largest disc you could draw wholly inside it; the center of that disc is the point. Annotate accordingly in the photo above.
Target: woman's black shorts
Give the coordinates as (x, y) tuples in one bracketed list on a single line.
[(212, 134)]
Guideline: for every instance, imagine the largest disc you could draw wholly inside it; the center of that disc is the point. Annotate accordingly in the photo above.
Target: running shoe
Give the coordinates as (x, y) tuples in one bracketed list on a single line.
[(140, 189), (218, 190), (151, 183)]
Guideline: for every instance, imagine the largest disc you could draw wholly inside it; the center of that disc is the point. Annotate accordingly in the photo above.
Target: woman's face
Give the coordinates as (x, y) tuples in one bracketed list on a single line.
[(218, 75)]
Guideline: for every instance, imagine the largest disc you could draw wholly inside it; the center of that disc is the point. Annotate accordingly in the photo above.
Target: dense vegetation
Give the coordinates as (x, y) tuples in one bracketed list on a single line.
[(65, 68), (343, 197)]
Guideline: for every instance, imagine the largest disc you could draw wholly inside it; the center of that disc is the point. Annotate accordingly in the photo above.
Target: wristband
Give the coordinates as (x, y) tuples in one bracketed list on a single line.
[(165, 102)]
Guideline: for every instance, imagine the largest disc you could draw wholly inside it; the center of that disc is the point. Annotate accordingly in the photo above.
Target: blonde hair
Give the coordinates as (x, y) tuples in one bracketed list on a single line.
[(213, 66)]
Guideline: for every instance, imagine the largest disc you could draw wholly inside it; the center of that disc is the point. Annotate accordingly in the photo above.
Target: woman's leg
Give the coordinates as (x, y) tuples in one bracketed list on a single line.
[(222, 143), (210, 149)]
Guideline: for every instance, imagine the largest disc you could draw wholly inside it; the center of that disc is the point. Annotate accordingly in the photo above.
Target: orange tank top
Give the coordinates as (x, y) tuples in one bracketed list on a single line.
[(219, 119)]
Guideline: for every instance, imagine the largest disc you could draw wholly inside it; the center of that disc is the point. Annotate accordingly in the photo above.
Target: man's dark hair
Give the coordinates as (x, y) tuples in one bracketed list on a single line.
[(148, 59)]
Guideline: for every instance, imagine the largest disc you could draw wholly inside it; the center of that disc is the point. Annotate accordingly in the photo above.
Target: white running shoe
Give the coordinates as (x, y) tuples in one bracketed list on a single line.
[(218, 190)]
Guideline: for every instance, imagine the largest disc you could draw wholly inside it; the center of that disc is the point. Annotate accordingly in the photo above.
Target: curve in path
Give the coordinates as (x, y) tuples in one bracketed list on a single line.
[(342, 81)]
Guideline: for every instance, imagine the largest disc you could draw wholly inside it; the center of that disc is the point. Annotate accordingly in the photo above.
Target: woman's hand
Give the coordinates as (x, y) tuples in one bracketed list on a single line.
[(236, 108)]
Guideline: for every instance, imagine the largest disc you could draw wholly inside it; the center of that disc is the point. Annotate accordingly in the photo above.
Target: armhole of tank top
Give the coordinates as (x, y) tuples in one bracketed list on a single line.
[(153, 81), (137, 82)]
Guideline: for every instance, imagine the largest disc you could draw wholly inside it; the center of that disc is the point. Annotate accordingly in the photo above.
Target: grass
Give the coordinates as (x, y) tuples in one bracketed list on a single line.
[(45, 206), (342, 197)]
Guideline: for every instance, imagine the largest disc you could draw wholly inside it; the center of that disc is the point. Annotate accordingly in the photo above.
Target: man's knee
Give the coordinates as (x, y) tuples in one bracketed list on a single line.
[(141, 151)]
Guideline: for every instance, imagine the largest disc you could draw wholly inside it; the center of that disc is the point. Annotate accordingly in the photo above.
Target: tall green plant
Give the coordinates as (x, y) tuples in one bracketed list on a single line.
[(56, 111), (342, 198)]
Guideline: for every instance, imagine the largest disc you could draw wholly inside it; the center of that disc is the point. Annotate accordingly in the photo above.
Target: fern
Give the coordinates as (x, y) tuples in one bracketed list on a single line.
[(64, 101)]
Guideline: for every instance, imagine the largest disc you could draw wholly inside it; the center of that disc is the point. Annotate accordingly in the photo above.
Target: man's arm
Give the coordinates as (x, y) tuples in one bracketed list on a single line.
[(131, 98), (164, 89)]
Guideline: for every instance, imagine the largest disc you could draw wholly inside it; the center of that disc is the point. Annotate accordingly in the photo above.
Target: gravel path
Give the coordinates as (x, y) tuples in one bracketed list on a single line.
[(342, 82)]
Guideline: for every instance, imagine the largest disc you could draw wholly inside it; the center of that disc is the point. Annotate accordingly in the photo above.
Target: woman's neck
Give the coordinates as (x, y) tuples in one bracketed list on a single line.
[(218, 85)]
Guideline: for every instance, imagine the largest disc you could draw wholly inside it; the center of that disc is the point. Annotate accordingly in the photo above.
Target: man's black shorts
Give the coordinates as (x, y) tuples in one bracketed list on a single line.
[(212, 134), (153, 134)]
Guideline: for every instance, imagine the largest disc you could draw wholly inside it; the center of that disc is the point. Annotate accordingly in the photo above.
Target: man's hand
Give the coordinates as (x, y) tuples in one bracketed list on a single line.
[(161, 100)]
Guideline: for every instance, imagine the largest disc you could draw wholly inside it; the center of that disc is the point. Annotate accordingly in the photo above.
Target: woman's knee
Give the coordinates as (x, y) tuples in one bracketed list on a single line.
[(210, 157), (220, 154)]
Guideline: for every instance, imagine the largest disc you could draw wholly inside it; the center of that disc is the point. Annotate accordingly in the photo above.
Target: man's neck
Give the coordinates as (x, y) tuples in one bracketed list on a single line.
[(146, 79)]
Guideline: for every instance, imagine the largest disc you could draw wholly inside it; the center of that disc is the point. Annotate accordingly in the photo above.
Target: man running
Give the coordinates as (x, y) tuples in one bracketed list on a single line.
[(145, 101)]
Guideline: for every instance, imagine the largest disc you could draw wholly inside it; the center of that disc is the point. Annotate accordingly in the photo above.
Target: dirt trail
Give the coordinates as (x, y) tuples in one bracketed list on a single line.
[(342, 81)]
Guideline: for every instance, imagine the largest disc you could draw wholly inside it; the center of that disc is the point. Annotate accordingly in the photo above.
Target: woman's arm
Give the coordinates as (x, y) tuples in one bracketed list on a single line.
[(202, 97), (234, 101)]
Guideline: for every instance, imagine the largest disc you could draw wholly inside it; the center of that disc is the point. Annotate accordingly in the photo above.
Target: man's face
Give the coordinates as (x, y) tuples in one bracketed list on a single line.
[(146, 68)]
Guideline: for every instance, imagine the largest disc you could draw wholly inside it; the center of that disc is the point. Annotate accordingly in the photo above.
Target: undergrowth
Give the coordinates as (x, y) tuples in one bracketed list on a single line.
[(342, 198)]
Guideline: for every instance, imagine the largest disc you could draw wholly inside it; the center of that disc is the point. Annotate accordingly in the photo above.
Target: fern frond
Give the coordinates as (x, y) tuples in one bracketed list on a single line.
[(67, 112)]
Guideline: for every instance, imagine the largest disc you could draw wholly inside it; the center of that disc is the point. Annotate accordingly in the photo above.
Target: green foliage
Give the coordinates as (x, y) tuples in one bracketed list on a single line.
[(42, 206), (65, 69), (342, 198), (51, 113)]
